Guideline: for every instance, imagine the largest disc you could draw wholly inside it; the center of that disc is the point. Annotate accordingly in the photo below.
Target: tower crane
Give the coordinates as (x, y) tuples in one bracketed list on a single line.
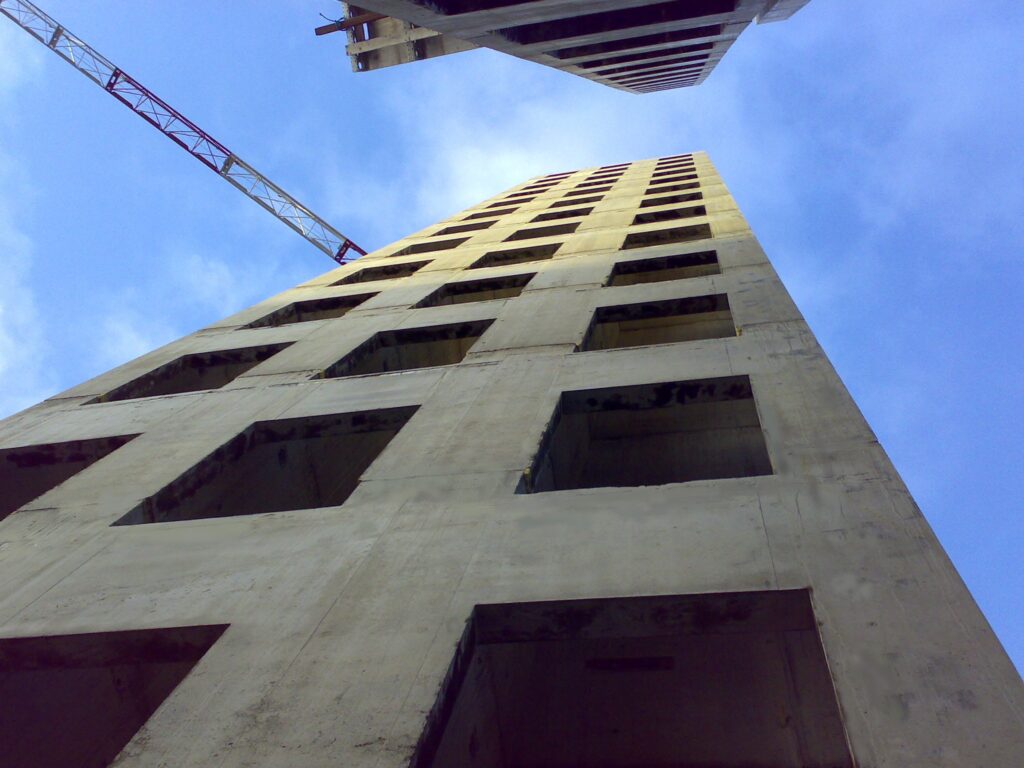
[(179, 129)]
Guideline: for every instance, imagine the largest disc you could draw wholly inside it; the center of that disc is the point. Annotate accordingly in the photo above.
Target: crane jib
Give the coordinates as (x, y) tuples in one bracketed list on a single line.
[(178, 128)]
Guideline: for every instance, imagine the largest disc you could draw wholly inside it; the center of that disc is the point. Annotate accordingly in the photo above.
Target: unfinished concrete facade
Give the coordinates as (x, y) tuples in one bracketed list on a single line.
[(639, 46), (565, 480)]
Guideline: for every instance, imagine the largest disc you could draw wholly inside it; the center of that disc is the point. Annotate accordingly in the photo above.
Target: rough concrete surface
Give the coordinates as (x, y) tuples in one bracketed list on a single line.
[(343, 620)]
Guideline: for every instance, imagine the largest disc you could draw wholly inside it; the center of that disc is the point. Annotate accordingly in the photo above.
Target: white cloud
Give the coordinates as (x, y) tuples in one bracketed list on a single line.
[(24, 377), (127, 334), (210, 282)]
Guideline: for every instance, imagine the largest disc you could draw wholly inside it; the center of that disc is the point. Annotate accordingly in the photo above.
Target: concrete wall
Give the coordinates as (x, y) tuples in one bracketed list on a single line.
[(343, 620), (637, 46)]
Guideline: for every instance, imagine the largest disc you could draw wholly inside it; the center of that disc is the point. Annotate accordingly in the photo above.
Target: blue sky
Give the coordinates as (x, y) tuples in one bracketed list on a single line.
[(876, 155)]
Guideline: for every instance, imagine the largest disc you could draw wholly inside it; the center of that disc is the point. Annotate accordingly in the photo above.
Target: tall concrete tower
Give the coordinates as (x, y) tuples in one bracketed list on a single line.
[(564, 480), (638, 46)]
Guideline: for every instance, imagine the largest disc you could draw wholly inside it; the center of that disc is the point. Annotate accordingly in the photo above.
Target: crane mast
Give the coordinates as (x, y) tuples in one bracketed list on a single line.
[(179, 129)]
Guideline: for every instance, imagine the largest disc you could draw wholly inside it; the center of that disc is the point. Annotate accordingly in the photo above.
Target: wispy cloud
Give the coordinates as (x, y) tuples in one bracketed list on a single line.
[(25, 377)]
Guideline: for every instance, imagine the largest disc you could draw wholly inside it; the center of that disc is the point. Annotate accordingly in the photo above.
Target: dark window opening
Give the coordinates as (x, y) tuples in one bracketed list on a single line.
[(506, 203), (670, 172), (674, 163), (559, 176), (719, 680), (666, 236), (577, 201), (516, 256), (587, 191), (550, 231), (552, 215), (428, 247), (657, 73), (671, 178), (653, 217), (486, 289), (382, 272), (597, 182), (674, 157), (490, 214), (457, 228), (27, 473), (410, 348), (661, 268), (652, 190), (643, 68), (632, 43), (651, 202), (650, 434), (77, 700), (679, 49), (277, 466), (617, 165), (455, 7), (311, 309), (663, 85), (512, 197), (613, 21), (660, 322), (193, 373)]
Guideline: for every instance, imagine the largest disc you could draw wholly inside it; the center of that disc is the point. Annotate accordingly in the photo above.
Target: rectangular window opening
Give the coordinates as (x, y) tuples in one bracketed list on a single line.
[(77, 700), (674, 214), (277, 466), (660, 322), (193, 373), (651, 202), (28, 472), (587, 191), (650, 434), (430, 247), (629, 57), (635, 43), (516, 256), (652, 190), (485, 289), (577, 201), (662, 268), (613, 21), (667, 236), (456, 229), (506, 203), (669, 177), (409, 348), (311, 309), (688, 681), (491, 214), (549, 231), (651, 66), (382, 272), (553, 215)]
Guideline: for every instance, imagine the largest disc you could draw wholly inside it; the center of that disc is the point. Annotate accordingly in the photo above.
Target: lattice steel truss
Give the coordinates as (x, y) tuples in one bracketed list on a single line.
[(179, 129)]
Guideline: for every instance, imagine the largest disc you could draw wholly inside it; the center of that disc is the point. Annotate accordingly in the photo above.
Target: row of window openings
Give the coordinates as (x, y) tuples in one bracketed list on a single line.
[(552, 230), (651, 270), (614, 327), (633, 680), (647, 434), (472, 225), (546, 251)]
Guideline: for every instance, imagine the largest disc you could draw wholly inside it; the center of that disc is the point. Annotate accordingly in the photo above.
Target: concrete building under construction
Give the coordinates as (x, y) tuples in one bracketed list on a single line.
[(639, 46), (564, 480)]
